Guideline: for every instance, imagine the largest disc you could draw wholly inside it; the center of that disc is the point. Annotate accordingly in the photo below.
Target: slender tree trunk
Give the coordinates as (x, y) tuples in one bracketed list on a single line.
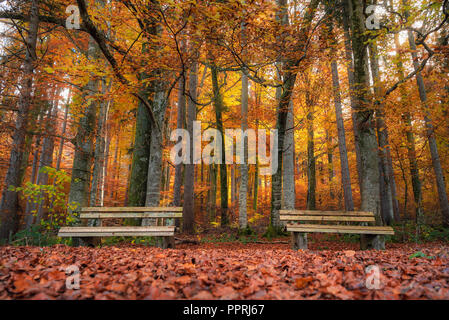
[(439, 175), (179, 125), (388, 213), (243, 192), (411, 149), (344, 163), (219, 106), (99, 161), (311, 160), (212, 191), (61, 142), (8, 206), (256, 171)]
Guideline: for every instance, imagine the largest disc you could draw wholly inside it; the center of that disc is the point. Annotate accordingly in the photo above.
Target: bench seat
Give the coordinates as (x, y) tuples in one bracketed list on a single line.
[(155, 231), (340, 229)]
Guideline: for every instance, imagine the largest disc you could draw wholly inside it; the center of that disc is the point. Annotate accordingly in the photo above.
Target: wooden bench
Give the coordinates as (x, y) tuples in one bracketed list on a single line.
[(164, 216), (329, 222)]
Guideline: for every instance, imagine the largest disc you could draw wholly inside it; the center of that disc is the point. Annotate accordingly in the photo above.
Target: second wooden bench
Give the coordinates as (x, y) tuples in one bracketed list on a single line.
[(318, 222)]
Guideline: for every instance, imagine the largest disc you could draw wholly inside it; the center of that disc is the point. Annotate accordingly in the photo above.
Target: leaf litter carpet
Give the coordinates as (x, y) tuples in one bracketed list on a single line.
[(226, 271)]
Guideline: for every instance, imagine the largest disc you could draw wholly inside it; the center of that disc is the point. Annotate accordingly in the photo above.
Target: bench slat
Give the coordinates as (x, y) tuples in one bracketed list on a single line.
[(131, 209), (156, 231), (326, 213), (327, 218), (311, 228), (108, 215)]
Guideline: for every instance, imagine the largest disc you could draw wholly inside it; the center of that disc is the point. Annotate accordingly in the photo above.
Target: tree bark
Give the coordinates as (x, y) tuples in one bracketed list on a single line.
[(311, 161), (288, 162), (82, 162), (8, 206), (243, 191), (388, 213), (347, 7), (179, 125), (365, 125), (219, 106), (189, 169), (288, 84), (344, 163), (439, 175)]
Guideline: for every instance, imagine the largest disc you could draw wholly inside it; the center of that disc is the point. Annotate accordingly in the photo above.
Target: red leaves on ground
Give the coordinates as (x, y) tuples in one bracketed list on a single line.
[(223, 272)]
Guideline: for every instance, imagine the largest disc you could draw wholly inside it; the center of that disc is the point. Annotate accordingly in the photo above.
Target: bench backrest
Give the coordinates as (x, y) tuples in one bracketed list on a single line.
[(324, 216), (130, 212)]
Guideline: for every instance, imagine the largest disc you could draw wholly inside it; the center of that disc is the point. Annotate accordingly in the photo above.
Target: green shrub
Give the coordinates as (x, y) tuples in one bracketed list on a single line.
[(35, 236)]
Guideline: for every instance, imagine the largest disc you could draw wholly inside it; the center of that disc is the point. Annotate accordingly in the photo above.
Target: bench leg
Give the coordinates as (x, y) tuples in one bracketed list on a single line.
[(166, 242), (299, 240), (85, 242), (372, 241)]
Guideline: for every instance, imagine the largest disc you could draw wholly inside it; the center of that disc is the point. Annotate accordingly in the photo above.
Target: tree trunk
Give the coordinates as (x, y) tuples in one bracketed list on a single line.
[(46, 159), (365, 125), (99, 156), (411, 149), (288, 84), (347, 7), (311, 161), (189, 169), (243, 192), (289, 161), (219, 106), (388, 214), (8, 206), (141, 153), (82, 162), (345, 173), (179, 125), (439, 175)]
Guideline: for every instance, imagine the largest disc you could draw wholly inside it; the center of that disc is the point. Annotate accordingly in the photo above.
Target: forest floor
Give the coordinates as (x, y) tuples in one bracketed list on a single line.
[(227, 271)]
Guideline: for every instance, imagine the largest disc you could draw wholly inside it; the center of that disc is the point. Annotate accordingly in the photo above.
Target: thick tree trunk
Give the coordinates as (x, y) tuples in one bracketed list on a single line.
[(82, 162), (141, 153), (46, 159), (155, 165), (8, 206), (365, 125), (347, 7), (189, 169), (288, 84), (289, 163)]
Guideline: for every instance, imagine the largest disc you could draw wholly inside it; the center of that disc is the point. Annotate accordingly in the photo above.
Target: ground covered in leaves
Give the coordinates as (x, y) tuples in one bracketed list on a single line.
[(225, 271)]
